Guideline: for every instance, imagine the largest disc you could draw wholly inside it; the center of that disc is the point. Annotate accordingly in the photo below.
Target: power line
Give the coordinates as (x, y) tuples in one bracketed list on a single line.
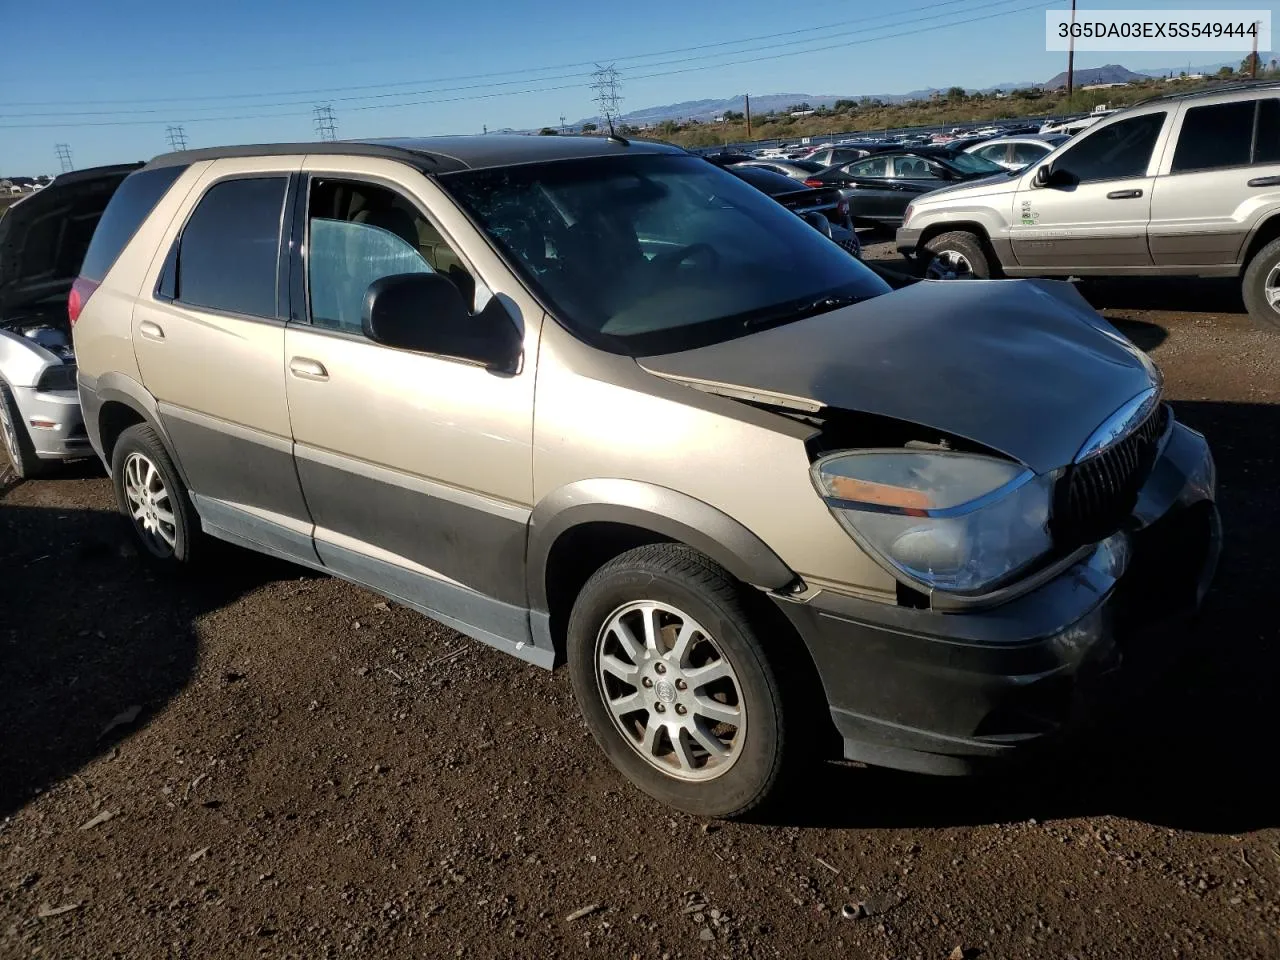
[(525, 70), (176, 136), (326, 123), (568, 86)]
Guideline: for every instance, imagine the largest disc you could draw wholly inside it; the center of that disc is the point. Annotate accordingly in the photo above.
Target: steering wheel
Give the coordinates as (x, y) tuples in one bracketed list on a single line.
[(670, 262)]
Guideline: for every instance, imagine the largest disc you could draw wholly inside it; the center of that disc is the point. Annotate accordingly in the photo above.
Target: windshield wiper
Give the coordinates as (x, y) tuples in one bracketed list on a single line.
[(809, 308)]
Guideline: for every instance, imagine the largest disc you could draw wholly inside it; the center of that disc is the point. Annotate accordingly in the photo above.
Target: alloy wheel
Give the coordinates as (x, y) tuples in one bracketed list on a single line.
[(1272, 288), (149, 505), (949, 265), (672, 693)]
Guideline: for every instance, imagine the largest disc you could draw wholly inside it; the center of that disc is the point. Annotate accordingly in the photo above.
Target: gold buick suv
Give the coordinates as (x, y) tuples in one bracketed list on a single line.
[(597, 402)]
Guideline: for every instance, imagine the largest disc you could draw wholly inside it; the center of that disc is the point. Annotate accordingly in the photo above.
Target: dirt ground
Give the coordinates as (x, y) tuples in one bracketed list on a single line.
[(257, 761)]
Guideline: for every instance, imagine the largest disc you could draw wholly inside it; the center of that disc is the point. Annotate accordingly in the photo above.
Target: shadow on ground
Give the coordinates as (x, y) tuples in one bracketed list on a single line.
[(1197, 751), (89, 631), (1179, 294)]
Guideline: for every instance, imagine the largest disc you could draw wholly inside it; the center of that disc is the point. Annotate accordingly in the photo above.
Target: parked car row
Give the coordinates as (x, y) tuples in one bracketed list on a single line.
[(1186, 184), (596, 402)]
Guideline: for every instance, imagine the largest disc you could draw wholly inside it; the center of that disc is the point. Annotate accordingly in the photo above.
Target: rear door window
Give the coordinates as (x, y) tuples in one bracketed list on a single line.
[(1267, 148), (131, 204), (871, 167), (228, 255), (1027, 153), (1220, 135)]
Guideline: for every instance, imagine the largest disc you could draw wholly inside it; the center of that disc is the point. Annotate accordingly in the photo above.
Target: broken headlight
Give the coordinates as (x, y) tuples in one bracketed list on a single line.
[(946, 521)]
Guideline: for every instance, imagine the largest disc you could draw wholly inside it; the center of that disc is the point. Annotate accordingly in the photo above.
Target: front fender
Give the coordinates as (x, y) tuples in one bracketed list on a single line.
[(662, 510)]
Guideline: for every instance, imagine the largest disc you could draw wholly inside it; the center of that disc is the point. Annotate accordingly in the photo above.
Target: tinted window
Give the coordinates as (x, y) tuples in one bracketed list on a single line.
[(360, 233), (1122, 149), (1025, 153), (651, 253), (1217, 136), (131, 204), (1267, 149), (995, 153), (913, 168), (969, 163), (871, 167), (228, 253)]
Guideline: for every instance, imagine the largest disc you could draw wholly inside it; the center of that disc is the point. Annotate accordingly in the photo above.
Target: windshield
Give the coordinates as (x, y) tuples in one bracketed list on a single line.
[(971, 163), (654, 253)]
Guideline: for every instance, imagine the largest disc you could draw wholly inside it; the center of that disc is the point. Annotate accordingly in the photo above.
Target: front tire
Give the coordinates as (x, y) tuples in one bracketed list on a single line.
[(15, 438), (674, 681), (958, 255), (151, 496), (1261, 287)]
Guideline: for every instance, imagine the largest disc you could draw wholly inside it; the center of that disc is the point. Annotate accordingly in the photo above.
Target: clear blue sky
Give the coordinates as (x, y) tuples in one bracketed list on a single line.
[(192, 63)]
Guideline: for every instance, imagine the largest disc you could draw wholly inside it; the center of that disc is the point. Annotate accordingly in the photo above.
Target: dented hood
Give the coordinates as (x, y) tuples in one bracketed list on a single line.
[(1025, 367)]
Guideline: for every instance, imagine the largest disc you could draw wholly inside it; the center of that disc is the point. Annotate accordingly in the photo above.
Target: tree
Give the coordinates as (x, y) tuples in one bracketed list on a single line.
[(589, 128), (1226, 72), (843, 105), (798, 108), (1248, 63), (956, 93), (547, 132), (733, 116)]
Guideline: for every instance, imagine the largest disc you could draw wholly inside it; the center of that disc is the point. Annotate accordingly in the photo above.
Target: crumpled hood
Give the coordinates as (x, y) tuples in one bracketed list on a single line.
[(1025, 367)]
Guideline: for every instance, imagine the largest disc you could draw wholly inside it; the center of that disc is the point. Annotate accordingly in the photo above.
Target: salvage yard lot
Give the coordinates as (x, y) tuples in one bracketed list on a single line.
[(255, 760)]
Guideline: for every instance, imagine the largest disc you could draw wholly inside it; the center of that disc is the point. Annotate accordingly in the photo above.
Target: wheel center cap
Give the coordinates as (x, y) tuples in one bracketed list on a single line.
[(665, 691)]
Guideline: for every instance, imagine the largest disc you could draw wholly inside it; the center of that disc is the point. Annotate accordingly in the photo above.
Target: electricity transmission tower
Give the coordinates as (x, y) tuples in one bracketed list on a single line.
[(326, 122), (64, 157), (176, 136), (605, 81)]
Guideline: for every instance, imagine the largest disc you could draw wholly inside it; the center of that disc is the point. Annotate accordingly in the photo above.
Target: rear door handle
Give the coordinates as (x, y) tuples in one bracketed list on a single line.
[(1265, 182), (304, 368), (152, 331), (1124, 194)]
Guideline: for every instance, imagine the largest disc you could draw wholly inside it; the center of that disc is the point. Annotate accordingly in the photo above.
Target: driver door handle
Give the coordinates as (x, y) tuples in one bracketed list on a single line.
[(1124, 194), (304, 368), (1265, 182)]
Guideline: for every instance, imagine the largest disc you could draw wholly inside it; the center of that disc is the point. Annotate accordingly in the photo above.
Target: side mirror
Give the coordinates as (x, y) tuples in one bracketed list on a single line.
[(1042, 176), (425, 312)]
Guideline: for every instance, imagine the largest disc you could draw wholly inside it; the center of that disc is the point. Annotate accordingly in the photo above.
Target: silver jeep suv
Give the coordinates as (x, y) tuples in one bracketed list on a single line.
[(599, 402), (1181, 185)]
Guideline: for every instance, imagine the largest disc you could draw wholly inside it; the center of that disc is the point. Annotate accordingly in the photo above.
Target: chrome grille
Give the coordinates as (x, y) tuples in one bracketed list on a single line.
[(1095, 496), (851, 246)]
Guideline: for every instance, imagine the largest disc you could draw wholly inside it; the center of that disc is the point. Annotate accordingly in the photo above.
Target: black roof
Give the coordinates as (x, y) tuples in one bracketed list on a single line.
[(440, 154)]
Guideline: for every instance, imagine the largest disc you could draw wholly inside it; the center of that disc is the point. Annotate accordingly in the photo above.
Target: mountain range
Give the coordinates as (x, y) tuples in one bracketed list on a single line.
[(706, 110)]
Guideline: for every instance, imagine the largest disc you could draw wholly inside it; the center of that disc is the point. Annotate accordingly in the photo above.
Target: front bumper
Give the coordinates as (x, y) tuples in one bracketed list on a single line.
[(908, 240), (951, 693), (52, 419)]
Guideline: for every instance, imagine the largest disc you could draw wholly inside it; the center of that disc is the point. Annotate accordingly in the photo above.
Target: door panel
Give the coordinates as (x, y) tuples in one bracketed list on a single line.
[(1216, 187), (418, 470), (1098, 220), (218, 376)]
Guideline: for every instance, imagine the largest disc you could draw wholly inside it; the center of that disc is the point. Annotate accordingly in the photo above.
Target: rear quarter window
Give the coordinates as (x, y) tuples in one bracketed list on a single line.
[(129, 207)]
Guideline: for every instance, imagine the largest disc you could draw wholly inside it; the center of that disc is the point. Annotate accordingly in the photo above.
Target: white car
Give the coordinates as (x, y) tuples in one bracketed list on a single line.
[(1014, 153)]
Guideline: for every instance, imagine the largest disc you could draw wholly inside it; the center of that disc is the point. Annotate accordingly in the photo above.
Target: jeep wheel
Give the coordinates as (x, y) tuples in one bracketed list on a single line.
[(150, 493), (957, 255), (1261, 287), (13, 435), (674, 682)]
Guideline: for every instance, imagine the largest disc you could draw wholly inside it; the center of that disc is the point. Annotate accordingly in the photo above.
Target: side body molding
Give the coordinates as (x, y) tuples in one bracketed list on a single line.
[(666, 512)]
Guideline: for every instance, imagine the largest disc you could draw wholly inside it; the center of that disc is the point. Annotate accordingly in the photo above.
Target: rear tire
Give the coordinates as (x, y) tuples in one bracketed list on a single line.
[(15, 438), (660, 728), (958, 255), (151, 496), (1260, 287)]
